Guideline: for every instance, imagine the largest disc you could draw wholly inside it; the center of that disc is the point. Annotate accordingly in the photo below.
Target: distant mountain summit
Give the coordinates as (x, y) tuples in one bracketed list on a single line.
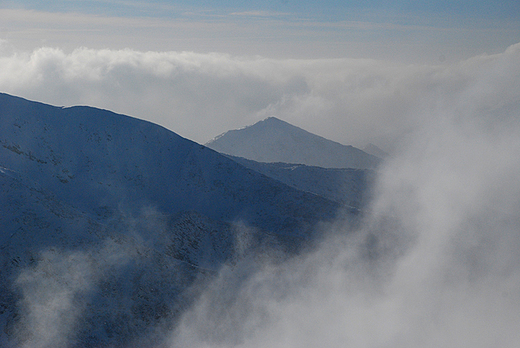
[(274, 140)]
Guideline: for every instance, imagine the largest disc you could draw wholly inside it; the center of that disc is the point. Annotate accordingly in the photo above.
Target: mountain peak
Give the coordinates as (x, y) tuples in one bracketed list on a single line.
[(270, 121), (273, 119), (274, 140)]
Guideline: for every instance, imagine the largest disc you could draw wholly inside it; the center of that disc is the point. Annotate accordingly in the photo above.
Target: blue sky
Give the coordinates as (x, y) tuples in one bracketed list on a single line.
[(478, 9), (405, 30)]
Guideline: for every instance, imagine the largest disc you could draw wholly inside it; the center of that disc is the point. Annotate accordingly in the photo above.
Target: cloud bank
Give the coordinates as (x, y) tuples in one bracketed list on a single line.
[(436, 263), (353, 101)]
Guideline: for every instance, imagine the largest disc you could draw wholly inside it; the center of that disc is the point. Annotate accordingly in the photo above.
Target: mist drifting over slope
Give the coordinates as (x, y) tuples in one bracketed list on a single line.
[(436, 262)]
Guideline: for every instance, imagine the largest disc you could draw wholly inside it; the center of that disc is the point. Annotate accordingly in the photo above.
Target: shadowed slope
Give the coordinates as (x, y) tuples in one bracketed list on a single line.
[(130, 210)]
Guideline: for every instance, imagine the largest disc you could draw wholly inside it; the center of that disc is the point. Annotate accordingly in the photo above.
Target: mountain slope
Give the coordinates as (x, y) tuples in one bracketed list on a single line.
[(273, 140), (141, 211), (347, 186), (94, 158)]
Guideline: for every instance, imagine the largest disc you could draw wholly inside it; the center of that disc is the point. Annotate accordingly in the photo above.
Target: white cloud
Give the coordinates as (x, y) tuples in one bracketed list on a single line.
[(55, 292), (52, 298), (354, 101), (436, 262)]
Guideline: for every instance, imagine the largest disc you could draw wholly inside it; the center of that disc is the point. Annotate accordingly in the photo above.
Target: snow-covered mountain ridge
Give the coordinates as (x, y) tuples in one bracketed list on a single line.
[(94, 158), (144, 210), (274, 140)]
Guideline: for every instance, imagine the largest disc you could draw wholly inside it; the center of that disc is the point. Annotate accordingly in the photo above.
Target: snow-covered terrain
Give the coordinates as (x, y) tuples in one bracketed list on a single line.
[(139, 210), (274, 140)]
